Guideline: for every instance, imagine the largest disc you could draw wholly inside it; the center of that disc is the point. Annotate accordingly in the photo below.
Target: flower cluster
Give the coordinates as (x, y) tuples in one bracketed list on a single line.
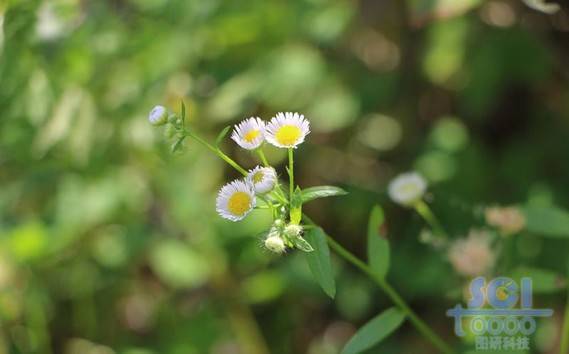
[(238, 198)]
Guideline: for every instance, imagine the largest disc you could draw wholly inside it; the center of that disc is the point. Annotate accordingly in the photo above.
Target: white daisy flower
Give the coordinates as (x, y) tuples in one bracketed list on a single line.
[(235, 200), (407, 188), (158, 115), (263, 179), (250, 133), (287, 130)]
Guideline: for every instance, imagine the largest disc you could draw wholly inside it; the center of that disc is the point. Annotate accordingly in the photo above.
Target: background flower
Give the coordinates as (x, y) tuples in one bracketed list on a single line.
[(407, 188), (472, 256)]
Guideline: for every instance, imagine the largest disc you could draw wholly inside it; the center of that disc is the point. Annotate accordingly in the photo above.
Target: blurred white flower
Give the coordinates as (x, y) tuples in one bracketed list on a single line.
[(250, 133), (509, 220), (158, 115), (263, 179), (407, 188), (235, 200), (472, 256), (287, 130), (48, 26)]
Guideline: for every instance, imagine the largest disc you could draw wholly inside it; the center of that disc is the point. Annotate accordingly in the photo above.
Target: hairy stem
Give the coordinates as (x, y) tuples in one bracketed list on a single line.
[(291, 171)]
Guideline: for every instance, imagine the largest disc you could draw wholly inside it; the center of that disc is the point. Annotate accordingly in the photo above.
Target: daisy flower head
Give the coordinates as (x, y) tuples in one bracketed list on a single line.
[(263, 179), (407, 188), (250, 133), (287, 130), (158, 115), (235, 200)]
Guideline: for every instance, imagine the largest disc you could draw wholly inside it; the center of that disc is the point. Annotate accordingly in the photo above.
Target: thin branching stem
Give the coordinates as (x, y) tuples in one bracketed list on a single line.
[(419, 324), (216, 151)]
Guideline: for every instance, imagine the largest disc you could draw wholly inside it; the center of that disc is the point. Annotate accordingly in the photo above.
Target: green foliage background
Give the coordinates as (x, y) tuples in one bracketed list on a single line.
[(109, 244)]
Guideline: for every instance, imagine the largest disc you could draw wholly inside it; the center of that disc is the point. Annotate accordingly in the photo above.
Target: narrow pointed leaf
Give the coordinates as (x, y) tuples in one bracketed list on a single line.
[(547, 221), (374, 331), (319, 261), (302, 244), (321, 192), (177, 144), (377, 243), (544, 281), (222, 135)]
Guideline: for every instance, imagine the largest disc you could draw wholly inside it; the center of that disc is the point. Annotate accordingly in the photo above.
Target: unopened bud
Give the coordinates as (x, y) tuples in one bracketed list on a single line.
[(275, 244), (158, 115), (293, 230)]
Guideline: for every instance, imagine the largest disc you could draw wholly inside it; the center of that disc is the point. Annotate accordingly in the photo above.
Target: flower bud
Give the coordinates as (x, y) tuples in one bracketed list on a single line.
[(293, 230), (158, 115), (278, 223), (275, 244), (170, 131)]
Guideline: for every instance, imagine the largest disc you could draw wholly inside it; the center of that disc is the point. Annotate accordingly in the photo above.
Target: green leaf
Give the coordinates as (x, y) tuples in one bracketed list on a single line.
[(302, 244), (547, 221), (377, 244), (222, 135), (374, 331), (183, 113), (177, 144), (544, 281), (321, 192), (319, 261), (296, 207)]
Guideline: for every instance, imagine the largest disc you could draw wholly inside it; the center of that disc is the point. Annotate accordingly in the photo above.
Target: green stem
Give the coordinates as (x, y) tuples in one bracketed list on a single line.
[(564, 347), (423, 328), (262, 157), (423, 209), (291, 171), (218, 152)]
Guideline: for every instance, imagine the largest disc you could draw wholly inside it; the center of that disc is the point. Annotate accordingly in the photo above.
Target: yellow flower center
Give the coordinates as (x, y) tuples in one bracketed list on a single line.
[(258, 177), (251, 135), (239, 203), (288, 135)]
